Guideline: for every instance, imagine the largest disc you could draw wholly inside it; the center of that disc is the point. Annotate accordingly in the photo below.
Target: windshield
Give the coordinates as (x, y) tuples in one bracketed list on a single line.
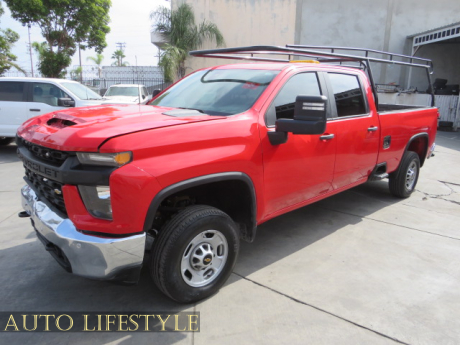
[(219, 91), (81, 91), (123, 91)]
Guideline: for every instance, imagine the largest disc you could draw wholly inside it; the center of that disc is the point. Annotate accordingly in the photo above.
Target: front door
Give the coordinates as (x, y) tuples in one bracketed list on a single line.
[(303, 167)]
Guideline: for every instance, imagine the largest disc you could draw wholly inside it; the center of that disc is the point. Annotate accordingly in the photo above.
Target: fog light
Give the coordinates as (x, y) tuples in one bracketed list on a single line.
[(97, 201)]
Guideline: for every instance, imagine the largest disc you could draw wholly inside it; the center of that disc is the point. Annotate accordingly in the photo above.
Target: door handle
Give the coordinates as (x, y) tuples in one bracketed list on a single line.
[(326, 137), (34, 109), (372, 129)]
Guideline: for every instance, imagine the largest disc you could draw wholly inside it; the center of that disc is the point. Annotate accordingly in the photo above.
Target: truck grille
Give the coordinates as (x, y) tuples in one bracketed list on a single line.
[(47, 189), (50, 156)]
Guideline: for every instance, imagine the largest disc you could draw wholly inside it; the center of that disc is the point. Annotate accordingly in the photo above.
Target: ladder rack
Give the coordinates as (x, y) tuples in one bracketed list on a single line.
[(324, 54)]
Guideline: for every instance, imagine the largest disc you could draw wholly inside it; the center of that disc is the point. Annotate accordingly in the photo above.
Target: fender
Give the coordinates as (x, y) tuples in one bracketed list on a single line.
[(251, 226), (416, 136)]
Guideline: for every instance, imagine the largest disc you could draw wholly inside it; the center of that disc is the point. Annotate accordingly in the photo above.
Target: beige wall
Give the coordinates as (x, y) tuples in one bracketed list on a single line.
[(243, 23), (374, 24)]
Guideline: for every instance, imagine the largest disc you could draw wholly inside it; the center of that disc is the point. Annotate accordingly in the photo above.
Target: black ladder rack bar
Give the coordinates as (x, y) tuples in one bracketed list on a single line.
[(321, 56), (289, 50)]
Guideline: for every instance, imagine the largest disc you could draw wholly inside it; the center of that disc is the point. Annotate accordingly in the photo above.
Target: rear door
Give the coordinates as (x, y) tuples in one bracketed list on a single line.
[(12, 107), (357, 129), (303, 167)]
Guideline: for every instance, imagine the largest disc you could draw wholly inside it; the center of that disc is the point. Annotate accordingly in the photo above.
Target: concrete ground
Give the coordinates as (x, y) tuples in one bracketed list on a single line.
[(358, 268)]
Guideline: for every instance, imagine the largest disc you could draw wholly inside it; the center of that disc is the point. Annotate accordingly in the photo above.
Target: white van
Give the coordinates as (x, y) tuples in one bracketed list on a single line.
[(23, 98)]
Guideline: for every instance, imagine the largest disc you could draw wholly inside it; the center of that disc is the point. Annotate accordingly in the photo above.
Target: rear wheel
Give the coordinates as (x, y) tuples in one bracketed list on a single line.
[(5, 141), (403, 181), (194, 253)]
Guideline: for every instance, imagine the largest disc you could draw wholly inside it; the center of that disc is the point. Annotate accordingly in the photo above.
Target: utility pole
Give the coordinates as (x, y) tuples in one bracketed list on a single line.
[(30, 51), (121, 46)]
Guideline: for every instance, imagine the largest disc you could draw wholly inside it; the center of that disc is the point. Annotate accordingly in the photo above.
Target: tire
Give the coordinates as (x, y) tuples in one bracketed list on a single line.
[(194, 254), (402, 182), (4, 141)]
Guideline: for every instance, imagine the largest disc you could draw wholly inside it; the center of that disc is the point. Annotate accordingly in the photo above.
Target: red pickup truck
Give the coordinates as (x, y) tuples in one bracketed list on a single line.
[(223, 150)]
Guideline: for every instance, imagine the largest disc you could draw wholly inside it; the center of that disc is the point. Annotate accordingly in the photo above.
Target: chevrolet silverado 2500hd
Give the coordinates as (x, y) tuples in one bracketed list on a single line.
[(223, 150)]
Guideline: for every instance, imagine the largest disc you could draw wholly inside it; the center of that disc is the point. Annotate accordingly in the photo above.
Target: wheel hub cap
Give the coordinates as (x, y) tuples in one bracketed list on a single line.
[(204, 258)]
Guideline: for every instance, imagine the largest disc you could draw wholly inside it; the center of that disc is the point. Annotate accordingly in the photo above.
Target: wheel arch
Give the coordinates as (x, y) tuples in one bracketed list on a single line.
[(418, 144), (241, 194)]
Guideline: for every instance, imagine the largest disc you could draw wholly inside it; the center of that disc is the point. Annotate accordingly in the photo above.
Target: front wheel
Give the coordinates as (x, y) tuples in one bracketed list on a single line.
[(194, 253), (403, 181)]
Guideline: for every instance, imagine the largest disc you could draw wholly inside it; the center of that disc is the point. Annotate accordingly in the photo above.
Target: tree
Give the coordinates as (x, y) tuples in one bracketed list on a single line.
[(118, 56), (98, 61), (76, 73), (7, 38), (40, 49), (182, 35), (65, 24)]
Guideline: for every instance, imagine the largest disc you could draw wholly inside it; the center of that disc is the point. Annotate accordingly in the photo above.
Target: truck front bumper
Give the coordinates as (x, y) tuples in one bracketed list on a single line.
[(88, 256)]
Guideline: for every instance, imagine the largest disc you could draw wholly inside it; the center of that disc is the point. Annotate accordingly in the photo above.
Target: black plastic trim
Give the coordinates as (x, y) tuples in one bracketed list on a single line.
[(70, 172), (201, 180), (419, 135)]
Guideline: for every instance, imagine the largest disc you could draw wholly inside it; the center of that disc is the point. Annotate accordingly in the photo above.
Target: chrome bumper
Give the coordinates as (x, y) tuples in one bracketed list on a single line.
[(88, 256)]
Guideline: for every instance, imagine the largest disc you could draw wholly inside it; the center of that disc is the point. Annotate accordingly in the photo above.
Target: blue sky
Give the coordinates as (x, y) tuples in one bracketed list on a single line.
[(130, 23)]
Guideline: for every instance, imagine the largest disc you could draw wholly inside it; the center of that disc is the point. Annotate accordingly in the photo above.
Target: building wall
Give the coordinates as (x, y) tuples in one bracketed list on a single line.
[(243, 23), (382, 25)]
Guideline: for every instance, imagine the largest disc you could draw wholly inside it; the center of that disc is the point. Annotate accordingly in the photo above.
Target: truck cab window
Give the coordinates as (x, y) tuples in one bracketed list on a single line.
[(348, 94), (283, 104)]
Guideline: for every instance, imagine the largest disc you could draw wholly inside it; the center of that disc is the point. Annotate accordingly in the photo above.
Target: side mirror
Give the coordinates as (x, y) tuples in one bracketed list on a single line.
[(155, 92), (310, 117), (66, 102)]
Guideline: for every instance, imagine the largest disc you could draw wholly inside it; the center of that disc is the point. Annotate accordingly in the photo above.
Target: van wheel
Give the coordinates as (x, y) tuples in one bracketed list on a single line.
[(403, 181), (194, 253), (5, 141)]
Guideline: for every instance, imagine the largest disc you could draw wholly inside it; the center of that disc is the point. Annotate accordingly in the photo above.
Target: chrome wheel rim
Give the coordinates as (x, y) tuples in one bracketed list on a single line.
[(204, 258), (411, 175)]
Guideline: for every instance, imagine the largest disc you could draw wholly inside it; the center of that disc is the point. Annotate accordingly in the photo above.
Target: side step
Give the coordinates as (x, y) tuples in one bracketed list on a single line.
[(379, 172)]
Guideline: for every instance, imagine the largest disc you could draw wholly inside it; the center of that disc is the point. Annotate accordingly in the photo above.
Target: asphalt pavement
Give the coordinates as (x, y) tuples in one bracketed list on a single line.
[(361, 267)]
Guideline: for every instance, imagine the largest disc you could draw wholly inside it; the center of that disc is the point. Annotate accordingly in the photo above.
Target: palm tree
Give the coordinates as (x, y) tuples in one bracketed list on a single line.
[(118, 56), (98, 61), (178, 28), (77, 73)]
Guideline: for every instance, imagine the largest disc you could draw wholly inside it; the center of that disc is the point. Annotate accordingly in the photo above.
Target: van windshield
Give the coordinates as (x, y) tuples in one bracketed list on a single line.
[(81, 91), (218, 91)]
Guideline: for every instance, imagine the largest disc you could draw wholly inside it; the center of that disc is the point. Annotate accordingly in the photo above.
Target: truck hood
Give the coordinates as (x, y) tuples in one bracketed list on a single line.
[(85, 129)]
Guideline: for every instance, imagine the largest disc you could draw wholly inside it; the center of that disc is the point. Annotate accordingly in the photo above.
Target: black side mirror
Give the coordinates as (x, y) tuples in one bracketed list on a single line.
[(155, 92), (310, 117), (66, 102)]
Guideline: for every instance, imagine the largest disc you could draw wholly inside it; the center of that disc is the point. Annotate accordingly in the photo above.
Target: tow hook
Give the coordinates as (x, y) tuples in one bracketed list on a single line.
[(23, 214)]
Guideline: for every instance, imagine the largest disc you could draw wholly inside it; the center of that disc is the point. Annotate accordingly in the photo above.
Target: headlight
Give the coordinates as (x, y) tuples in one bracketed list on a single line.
[(107, 159), (97, 201)]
